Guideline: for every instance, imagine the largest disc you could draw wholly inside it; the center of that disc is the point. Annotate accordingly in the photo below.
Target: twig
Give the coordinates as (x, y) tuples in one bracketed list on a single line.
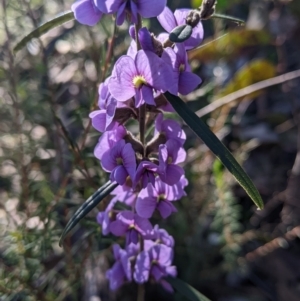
[(108, 58), (248, 90), (279, 242)]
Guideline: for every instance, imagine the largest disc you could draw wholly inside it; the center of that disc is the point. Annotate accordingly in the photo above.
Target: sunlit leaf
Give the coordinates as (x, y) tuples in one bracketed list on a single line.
[(87, 206), (221, 4), (186, 290), (251, 73), (62, 18), (229, 45), (216, 146)]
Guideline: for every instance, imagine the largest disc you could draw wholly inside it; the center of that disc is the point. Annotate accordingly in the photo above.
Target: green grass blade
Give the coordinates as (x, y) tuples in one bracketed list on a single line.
[(240, 22), (186, 290), (87, 206), (216, 146), (60, 19)]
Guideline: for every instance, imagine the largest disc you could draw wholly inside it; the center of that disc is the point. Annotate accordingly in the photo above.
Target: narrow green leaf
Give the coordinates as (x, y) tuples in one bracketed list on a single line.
[(60, 19), (240, 22), (87, 206), (186, 290), (216, 146)]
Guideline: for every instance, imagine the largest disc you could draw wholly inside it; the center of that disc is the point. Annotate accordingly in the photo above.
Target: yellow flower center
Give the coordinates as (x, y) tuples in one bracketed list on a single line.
[(170, 160), (119, 161), (138, 81), (181, 67), (161, 197)]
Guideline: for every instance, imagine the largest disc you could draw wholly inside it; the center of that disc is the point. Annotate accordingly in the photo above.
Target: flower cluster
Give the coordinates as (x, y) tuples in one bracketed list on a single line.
[(146, 166)]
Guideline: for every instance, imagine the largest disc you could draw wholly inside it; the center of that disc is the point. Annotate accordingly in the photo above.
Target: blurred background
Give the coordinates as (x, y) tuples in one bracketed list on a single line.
[(224, 247)]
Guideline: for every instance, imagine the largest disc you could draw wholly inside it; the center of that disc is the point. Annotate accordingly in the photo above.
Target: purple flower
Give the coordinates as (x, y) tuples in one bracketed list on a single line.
[(170, 128), (111, 111), (125, 194), (86, 12), (155, 262), (155, 197), (121, 271), (145, 8), (161, 236), (145, 172), (171, 154), (108, 140), (132, 225), (146, 41), (106, 217), (177, 190), (102, 120), (169, 21), (138, 77), (186, 80), (120, 161)]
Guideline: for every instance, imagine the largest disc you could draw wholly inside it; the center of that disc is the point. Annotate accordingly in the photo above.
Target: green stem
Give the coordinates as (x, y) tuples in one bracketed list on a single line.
[(240, 22), (137, 27), (141, 292), (142, 109), (142, 124)]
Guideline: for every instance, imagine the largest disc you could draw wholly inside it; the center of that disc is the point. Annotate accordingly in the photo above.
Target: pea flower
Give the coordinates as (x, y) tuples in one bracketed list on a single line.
[(146, 173), (169, 21), (139, 76), (121, 271), (108, 140), (170, 154), (130, 224), (86, 12), (120, 161), (161, 236), (155, 197), (106, 217), (186, 80), (155, 262), (170, 128), (146, 8)]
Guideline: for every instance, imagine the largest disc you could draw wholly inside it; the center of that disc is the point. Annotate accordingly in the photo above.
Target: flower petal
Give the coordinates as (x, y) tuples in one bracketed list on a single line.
[(108, 6), (166, 208), (118, 228), (142, 225), (149, 9), (121, 14), (120, 84), (147, 94), (145, 206), (156, 272), (129, 160), (142, 267), (116, 276), (167, 19), (85, 12), (172, 175), (98, 120), (119, 174), (188, 81)]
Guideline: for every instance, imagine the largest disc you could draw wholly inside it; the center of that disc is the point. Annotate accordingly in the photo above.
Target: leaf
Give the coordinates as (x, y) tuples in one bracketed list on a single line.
[(251, 73), (186, 290), (216, 146), (229, 45), (60, 19), (87, 206)]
